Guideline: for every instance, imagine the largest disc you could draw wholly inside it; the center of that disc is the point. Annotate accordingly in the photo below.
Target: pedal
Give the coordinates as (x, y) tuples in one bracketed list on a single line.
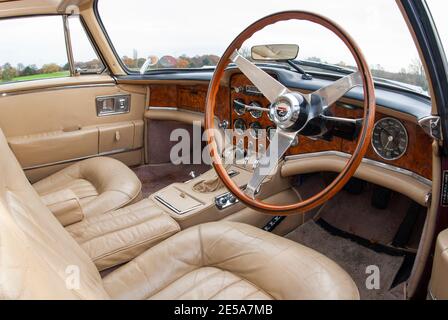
[(355, 186), (380, 197)]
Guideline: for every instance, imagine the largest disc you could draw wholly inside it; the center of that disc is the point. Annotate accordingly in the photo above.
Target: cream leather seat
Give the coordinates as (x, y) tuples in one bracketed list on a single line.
[(100, 185), (39, 259)]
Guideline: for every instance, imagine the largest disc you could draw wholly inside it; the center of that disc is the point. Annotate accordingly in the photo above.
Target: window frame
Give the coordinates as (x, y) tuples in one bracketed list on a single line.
[(92, 43), (120, 61), (67, 44), (109, 41)]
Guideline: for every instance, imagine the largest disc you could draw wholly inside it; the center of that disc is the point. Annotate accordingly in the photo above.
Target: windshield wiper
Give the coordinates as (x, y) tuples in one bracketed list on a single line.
[(324, 66)]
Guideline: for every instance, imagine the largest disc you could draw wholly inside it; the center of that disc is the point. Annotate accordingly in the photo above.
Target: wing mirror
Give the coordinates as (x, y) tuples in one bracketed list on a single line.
[(275, 52), (150, 62)]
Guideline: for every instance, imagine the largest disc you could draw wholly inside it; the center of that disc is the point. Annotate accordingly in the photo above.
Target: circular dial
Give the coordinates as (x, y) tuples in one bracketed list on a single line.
[(270, 131), (239, 107), (255, 127), (390, 139), (239, 125), (257, 114)]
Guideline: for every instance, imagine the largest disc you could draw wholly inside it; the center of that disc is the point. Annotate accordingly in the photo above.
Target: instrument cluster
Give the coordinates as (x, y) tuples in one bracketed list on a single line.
[(255, 120)]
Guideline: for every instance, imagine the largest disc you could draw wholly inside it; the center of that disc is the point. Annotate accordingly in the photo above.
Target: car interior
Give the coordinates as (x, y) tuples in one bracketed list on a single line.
[(345, 185)]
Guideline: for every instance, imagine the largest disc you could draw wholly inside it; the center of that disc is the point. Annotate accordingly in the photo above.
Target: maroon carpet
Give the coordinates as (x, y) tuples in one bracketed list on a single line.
[(156, 177)]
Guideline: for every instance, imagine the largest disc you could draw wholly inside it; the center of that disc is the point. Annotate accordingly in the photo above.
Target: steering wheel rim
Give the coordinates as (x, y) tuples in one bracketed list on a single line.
[(364, 137)]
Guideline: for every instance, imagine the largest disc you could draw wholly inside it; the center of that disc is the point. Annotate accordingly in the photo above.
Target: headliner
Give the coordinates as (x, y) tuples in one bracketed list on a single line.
[(12, 8)]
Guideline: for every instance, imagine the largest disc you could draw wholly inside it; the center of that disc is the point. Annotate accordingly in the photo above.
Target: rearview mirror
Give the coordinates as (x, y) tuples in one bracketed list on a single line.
[(275, 52)]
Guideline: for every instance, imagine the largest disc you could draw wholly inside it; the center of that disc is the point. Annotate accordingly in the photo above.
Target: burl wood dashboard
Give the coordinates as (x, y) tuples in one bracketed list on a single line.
[(417, 158)]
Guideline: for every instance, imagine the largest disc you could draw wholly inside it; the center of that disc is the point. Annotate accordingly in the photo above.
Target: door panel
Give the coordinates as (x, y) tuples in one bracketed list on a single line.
[(50, 123), (50, 147)]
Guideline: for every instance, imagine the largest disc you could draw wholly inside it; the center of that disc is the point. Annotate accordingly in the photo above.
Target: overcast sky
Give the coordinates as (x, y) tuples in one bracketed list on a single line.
[(177, 27)]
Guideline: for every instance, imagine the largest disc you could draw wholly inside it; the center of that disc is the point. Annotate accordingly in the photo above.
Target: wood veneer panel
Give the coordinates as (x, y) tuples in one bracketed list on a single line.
[(418, 157)]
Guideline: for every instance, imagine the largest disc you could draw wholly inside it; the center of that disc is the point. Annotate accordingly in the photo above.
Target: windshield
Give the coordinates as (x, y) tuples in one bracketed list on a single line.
[(181, 34)]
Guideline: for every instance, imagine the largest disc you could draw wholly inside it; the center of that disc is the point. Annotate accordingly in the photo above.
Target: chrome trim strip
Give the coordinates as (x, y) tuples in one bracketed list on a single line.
[(68, 45), (174, 109), (55, 88), (365, 161), (172, 208), (163, 108), (103, 154), (431, 296)]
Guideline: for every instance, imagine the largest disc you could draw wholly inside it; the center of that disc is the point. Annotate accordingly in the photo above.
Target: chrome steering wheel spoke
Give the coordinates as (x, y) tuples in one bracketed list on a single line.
[(335, 91), (271, 88), (280, 143)]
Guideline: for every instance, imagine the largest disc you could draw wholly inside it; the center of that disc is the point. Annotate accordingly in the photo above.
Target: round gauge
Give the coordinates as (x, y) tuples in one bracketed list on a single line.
[(255, 128), (256, 114), (239, 107), (239, 125), (390, 139)]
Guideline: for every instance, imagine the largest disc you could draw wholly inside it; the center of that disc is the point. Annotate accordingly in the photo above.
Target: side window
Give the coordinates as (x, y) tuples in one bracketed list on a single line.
[(85, 57), (32, 48)]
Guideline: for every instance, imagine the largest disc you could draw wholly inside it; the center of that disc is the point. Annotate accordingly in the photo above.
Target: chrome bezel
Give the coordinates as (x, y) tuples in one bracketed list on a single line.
[(235, 109), (239, 130), (256, 104), (252, 131), (289, 120), (405, 132)]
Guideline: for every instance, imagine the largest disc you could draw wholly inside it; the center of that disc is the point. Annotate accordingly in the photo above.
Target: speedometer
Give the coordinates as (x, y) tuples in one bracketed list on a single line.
[(390, 139)]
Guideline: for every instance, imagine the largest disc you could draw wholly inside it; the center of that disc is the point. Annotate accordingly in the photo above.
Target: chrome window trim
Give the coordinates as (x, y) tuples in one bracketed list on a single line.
[(364, 161), (63, 87), (68, 45)]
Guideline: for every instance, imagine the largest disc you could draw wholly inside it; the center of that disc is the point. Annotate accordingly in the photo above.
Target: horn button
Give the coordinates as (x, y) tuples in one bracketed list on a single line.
[(289, 111)]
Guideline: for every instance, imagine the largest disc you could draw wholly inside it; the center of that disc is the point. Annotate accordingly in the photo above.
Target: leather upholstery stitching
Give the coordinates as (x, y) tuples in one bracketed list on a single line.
[(153, 239), (121, 228)]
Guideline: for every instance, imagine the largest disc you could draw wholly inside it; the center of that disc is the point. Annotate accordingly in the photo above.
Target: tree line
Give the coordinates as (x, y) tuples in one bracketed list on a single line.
[(9, 72), (414, 74), (183, 61)]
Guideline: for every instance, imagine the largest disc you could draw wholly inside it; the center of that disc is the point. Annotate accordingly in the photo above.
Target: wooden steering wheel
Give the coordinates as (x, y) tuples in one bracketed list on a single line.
[(292, 112)]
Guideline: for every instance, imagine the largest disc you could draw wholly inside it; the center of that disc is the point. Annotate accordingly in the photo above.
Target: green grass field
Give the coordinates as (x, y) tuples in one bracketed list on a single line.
[(40, 76)]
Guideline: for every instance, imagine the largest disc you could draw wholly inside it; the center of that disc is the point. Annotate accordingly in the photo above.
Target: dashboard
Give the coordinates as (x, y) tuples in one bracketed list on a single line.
[(398, 140), (395, 141)]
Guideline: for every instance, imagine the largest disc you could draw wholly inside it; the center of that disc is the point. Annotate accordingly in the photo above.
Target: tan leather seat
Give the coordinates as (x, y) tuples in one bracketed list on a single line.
[(119, 236), (101, 184), (40, 260), (228, 260)]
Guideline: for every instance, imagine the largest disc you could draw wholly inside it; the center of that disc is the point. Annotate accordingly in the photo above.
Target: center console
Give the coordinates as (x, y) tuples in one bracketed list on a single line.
[(194, 201), (205, 198)]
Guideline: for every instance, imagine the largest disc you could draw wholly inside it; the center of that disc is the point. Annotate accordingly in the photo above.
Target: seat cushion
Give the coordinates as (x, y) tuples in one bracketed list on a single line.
[(102, 184), (119, 236), (230, 260), (38, 258), (210, 283)]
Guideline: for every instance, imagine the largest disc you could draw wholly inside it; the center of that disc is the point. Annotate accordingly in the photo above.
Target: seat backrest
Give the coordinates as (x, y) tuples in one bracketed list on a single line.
[(38, 258)]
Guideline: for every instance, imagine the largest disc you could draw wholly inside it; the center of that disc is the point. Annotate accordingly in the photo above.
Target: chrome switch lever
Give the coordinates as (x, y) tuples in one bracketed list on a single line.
[(192, 174)]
